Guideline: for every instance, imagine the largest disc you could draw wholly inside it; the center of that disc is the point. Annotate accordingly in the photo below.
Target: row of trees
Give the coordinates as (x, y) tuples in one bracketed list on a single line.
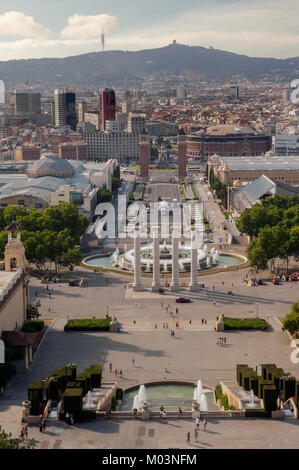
[(219, 188), (48, 236), (274, 227)]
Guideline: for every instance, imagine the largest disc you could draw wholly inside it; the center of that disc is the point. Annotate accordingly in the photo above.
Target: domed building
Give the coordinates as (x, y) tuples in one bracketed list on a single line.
[(228, 141), (51, 165)]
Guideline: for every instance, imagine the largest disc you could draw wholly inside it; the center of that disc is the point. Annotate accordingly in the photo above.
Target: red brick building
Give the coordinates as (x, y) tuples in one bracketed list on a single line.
[(73, 151), (228, 141)]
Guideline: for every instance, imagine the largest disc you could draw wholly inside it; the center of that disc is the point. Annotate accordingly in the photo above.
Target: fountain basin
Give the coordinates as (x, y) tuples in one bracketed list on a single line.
[(170, 395)]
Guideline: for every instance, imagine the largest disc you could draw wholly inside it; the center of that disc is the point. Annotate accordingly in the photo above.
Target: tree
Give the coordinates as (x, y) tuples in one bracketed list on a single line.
[(257, 256), (291, 322), (9, 442), (115, 183), (104, 195), (71, 258)]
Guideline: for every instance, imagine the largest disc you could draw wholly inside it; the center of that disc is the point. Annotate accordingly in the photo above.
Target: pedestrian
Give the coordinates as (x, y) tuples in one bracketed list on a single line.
[(213, 287), (202, 321), (177, 311), (26, 430), (197, 422), (188, 440), (134, 322), (133, 362), (190, 321), (214, 303), (22, 434), (177, 324), (121, 373), (156, 326), (110, 367), (180, 412), (205, 424), (49, 310), (195, 434), (164, 415), (41, 426), (206, 321), (36, 293), (44, 424)]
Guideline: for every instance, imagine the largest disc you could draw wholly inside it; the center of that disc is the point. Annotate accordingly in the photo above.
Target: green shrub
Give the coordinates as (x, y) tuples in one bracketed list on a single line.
[(265, 367), (270, 398), (239, 369), (259, 413), (218, 392), (254, 385), (33, 326), (88, 325), (72, 401), (245, 323), (113, 404), (263, 383), (289, 388)]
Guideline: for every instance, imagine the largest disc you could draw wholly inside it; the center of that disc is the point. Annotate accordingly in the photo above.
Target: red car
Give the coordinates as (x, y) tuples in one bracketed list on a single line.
[(182, 300), (275, 282), (294, 277)]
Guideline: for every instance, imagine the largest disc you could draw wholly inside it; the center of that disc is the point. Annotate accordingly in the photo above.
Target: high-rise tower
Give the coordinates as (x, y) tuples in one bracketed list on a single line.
[(107, 106), (65, 109), (145, 147), (182, 155)]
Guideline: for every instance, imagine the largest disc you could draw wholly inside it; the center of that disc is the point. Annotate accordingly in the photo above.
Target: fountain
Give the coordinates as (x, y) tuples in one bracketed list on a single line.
[(208, 262), (198, 391), (89, 404), (140, 398), (115, 256), (252, 404), (203, 404)]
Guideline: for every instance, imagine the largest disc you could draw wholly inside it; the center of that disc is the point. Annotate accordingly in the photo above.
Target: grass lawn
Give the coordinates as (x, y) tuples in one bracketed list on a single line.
[(245, 323)]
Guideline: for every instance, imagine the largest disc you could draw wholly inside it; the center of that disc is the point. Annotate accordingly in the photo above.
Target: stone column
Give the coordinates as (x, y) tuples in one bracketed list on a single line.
[(193, 286), (175, 284), (30, 353), (156, 263), (26, 358), (137, 286)]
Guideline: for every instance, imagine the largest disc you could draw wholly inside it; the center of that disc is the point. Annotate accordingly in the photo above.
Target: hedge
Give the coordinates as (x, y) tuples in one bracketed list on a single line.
[(289, 388), (72, 401), (264, 369), (270, 398), (33, 326), (244, 323), (88, 324)]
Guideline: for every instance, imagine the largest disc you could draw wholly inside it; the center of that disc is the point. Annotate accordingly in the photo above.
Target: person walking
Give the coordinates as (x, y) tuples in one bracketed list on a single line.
[(195, 434), (133, 362), (115, 372), (180, 412), (205, 424), (26, 430), (44, 424), (188, 438), (197, 422), (22, 434), (110, 367), (41, 426)]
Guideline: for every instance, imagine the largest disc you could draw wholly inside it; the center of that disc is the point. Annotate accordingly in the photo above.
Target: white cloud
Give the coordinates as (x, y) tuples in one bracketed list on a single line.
[(17, 23), (89, 27)]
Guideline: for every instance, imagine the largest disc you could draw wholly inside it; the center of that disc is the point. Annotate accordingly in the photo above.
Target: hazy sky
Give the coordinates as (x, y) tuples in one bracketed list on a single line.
[(56, 28)]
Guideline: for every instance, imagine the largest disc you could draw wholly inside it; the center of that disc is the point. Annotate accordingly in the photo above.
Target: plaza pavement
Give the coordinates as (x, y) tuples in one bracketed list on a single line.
[(191, 355)]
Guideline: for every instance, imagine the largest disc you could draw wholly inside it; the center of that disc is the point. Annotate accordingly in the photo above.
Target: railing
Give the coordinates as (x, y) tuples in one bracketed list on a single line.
[(172, 415)]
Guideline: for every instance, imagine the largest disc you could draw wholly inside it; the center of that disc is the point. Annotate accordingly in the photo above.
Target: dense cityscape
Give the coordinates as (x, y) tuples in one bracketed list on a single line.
[(149, 247)]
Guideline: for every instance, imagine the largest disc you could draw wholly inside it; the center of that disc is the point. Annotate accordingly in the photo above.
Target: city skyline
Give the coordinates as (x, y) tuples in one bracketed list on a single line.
[(261, 29)]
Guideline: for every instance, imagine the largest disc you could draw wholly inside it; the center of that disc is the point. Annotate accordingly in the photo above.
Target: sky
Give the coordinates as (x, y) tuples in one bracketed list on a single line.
[(259, 28)]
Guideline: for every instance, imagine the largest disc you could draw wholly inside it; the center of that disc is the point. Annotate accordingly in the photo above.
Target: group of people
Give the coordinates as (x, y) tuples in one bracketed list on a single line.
[(197, 424), (163, 413), (116, 371), (221, 341), (204, 321), (24, 432), (107, 412)]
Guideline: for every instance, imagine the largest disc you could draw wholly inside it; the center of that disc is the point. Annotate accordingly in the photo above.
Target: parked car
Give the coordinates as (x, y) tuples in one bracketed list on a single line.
[(293, 277), (260, 282), (275, 282), (161, 291), (74, 283), (208, 240), (183, 300)]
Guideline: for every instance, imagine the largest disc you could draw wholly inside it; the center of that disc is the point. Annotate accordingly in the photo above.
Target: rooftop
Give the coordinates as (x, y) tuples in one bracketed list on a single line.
[(290, 163)]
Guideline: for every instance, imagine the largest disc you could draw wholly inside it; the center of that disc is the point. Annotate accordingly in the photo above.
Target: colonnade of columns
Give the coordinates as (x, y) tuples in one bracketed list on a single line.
[(156, 284)]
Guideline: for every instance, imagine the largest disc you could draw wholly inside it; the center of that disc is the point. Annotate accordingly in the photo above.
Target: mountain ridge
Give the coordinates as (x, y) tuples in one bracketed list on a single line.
[(114, 66)]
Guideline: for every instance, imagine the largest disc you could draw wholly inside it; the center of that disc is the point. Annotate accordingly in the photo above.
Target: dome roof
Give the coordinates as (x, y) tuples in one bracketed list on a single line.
[(51, 166)]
